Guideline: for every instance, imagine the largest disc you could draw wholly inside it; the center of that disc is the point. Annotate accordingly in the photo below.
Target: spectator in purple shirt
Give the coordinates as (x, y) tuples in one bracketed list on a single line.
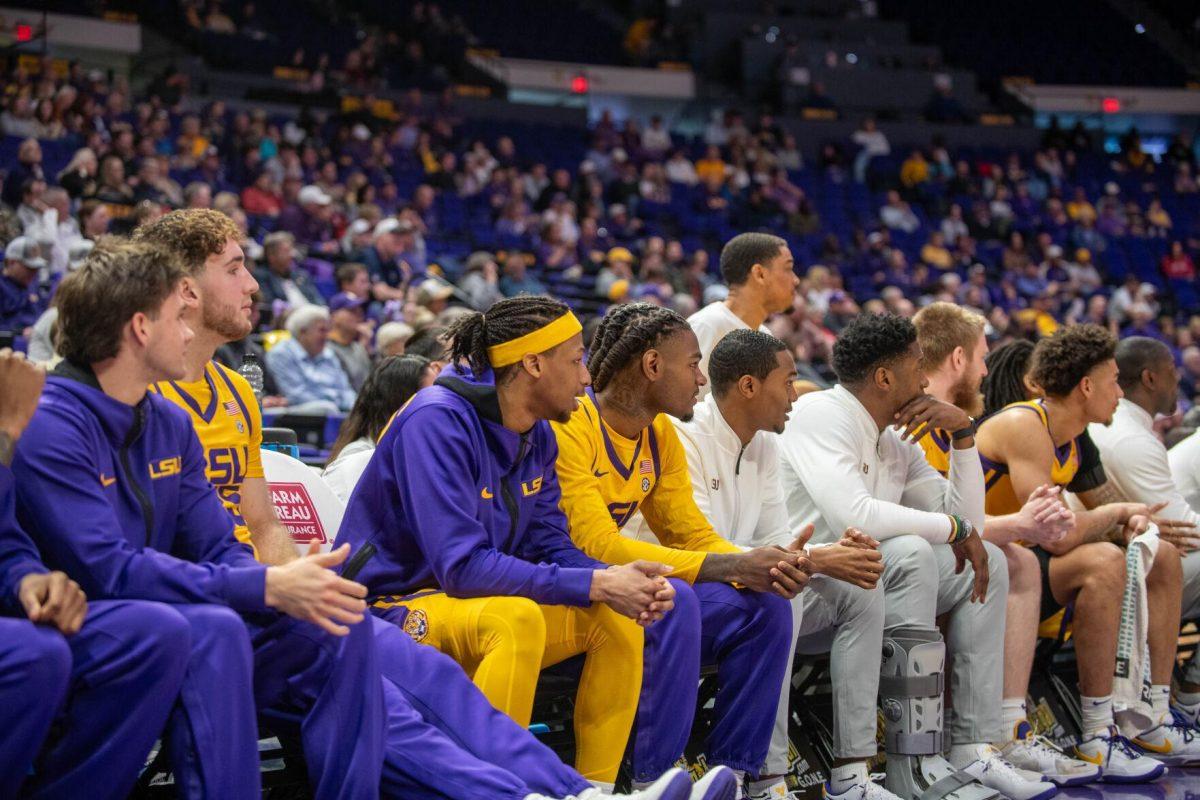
[(309, 220)]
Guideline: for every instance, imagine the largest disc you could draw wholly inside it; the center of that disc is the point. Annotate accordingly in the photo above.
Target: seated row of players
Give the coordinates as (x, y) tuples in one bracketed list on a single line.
[(502, 588), (843, 462), (167, 625)]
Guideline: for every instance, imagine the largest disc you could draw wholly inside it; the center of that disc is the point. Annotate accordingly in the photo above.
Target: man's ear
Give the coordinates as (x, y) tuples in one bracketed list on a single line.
[(958, 358), (532, 364), (138, 329), (758, 271), (748, 386), (1149, 378), (652, 365), (882, 378), (190, 290)]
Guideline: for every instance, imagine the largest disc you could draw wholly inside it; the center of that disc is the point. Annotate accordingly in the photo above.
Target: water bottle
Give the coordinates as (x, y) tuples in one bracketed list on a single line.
[(252, 371)]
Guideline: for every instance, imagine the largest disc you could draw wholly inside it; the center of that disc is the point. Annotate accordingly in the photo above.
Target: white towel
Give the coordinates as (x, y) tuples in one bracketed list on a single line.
[(1132, 708)]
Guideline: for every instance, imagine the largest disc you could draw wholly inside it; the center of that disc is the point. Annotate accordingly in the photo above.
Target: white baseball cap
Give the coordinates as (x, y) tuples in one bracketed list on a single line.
[(314, 194)]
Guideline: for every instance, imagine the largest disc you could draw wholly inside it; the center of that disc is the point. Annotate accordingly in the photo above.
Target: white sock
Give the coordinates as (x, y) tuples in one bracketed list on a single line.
[(963, 754), (1188, 701), (759, 786), (1097, 714), (847, 776), (1160, 701), (1012, 714)]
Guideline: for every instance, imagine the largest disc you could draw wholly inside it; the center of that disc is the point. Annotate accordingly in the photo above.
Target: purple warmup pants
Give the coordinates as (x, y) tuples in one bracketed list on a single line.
[(271, 661), (747, 635), (110, 686), (445, 740)]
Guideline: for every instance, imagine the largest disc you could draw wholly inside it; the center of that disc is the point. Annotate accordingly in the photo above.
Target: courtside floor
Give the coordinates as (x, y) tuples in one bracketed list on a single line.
[(1177, 784)]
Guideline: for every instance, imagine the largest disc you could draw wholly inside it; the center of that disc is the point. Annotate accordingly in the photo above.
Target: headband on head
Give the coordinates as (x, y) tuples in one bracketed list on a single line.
[(552, 334)]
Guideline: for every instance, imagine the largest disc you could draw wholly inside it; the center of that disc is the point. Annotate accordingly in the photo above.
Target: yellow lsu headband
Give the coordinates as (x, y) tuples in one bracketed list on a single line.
[(552, 334)]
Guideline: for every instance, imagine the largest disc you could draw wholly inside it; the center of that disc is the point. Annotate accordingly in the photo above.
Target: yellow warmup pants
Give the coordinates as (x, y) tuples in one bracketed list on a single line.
[(503, 643)]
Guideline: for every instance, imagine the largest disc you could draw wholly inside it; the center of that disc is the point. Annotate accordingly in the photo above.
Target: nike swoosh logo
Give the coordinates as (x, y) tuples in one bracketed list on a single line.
[(1161, 749), (485, 494), (599, 474), (1097, 759), (107, 481)]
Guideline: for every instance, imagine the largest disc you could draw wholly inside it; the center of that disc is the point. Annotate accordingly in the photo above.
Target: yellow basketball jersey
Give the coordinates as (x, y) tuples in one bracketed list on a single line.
[(1001, 499), (936, 444), (228, 423), (606, 478)]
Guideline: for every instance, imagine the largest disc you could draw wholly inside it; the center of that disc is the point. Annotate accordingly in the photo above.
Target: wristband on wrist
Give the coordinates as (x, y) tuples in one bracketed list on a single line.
[(963, 433), (960, 529)]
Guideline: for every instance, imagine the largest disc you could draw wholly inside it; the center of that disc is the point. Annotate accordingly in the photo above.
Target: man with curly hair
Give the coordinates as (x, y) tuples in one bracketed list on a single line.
[(953, 347), (619, 454), (1028, 444)]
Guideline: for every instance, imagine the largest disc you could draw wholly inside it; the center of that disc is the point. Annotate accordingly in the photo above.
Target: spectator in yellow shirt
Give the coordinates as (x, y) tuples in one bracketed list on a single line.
[(935, 253), (915, 170), (711, 166)]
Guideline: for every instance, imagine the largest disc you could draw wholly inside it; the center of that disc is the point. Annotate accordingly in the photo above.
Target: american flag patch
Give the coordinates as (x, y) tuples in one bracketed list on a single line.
[(231, 408), (645, 468)]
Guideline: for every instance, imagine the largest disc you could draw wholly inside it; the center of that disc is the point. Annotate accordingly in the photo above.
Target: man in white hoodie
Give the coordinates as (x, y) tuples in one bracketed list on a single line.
[(1137, 462), (733, 458), (849, 459)]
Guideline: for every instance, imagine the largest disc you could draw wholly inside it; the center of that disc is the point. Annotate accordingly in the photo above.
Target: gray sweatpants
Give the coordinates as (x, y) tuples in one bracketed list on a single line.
[(920, 585), (1191, 609), (831, 616)]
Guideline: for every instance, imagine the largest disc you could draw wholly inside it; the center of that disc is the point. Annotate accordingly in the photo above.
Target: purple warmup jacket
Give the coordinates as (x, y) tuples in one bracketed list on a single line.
[(455, 501), (116, 497), (18, 557)]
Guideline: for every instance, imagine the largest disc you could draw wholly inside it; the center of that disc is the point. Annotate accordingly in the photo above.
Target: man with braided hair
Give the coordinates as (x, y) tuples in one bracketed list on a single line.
[(618, 454), (442, 735), (461, 500), (732, 447)]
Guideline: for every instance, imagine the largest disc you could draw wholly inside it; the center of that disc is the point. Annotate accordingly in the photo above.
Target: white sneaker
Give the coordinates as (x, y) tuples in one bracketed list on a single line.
[(1017, 784), (1038, 754), (719, 783), (674, 784), (1171, 743), (1118, 759), (1189, 718), (868, 790)]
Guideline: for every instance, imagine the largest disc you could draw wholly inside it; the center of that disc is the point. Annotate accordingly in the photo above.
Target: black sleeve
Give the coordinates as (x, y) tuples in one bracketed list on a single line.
[(1091, 470)]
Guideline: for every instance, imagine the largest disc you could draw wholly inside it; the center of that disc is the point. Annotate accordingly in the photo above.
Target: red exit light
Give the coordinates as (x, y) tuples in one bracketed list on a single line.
[(579, 84), (24, 32), (1110, 105)]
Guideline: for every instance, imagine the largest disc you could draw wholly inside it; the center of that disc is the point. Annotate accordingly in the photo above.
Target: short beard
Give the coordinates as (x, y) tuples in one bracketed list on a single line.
[(230, 326), (967, 397)]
